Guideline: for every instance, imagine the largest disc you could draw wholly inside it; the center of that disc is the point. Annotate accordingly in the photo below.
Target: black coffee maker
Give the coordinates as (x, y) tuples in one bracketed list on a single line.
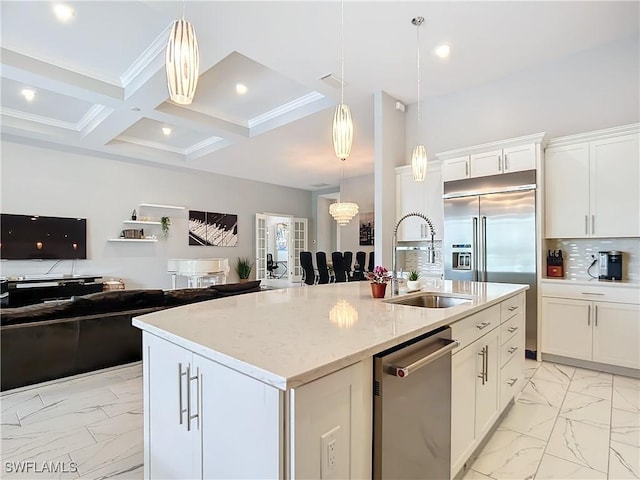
[(610, 265)]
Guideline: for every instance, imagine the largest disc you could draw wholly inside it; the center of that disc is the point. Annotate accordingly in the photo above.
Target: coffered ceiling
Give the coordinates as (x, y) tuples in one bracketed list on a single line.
[(99, 82)]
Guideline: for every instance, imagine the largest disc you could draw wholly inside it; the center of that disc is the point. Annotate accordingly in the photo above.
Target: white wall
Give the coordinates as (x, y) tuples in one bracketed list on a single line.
[(49, 182), (389, 152), (588, 91)]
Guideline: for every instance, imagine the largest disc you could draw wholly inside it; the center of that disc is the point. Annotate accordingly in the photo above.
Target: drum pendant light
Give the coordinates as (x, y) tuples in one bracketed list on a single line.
[(419, 156), (342, 123), (182, 62)]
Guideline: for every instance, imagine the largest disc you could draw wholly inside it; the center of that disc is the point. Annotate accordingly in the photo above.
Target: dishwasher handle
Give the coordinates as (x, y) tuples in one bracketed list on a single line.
[(404, 371)]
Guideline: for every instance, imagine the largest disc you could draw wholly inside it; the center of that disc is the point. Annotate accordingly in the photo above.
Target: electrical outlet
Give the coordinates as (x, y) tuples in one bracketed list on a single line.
[(329, 453)]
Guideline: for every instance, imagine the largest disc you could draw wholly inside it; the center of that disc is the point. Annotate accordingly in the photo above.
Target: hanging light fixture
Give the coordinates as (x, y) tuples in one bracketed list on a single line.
[(419, 155), (343, 212), (182, 62), (342, 123)]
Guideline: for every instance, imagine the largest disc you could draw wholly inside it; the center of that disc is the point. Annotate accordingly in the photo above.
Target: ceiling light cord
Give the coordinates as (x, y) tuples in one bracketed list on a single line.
[(419, 156), (342, 53), (418, 62)]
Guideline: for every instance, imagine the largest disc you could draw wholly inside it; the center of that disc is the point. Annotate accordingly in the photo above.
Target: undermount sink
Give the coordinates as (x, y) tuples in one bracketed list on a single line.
[(430, 300)]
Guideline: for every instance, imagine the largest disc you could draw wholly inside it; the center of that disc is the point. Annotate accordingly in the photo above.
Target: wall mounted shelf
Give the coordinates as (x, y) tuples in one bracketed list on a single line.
[(166, 207), (140, 222), (133, 240)]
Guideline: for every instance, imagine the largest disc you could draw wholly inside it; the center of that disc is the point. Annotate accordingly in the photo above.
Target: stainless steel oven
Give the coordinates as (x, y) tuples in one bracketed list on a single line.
[(412, 409)]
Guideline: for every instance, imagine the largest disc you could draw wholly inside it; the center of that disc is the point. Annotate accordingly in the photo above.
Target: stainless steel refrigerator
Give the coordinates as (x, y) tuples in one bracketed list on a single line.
[(490, 235)]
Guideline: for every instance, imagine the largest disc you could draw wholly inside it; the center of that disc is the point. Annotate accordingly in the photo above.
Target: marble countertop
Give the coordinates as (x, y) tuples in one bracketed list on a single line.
[(289, 337)]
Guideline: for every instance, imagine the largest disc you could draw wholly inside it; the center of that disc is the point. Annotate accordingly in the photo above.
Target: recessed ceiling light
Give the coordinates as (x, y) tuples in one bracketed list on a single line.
[(241, 89), (166, 131), (442, 50), (28, 94), (63, 12)]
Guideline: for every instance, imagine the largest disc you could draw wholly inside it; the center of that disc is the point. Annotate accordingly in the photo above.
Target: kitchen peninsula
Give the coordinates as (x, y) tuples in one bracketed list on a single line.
[(278, 384)]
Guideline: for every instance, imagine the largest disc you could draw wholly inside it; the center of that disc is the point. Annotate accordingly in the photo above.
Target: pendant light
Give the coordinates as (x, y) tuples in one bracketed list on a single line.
[(343, 212), (342, 123), (419, 155), (182, 62)]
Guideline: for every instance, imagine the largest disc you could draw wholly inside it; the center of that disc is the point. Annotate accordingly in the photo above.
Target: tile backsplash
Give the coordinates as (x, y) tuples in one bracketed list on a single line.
[(578, 252), (418, 260)]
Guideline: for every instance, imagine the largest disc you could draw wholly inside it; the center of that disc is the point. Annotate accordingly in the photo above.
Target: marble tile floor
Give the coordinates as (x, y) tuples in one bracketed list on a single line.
[(568, 423)]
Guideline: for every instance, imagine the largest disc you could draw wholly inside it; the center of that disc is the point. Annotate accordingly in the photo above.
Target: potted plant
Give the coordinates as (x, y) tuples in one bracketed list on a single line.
[(378, 278), (413, 282), (243, 268), (165, 222)]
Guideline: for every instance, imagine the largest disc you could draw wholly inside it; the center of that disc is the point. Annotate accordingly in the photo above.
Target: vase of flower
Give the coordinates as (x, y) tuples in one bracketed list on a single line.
[(378, 278)]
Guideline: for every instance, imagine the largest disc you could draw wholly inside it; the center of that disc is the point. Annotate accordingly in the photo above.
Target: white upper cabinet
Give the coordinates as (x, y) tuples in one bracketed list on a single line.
[(591, 185), (506, 156), (422, 197), (455, 168)]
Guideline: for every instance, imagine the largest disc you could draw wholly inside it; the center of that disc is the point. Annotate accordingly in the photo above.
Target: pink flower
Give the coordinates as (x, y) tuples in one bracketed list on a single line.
[(379, 275)]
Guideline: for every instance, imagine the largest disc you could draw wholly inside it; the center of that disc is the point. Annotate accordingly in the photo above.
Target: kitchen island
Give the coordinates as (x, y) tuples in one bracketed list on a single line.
[(258, 386)]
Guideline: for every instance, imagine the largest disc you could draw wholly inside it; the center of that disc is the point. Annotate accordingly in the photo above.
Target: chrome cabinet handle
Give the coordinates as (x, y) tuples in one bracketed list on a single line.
[(483, 325), (589, 293), (593, 224), (197, 414), (484, 249), (499, 166), (586, 224), (588, 315), (596, 315), (512, 382), (506, 162), (482, 373), (475, 260), (466, 168), (512, 349), (511, 309), (486, 359), (512, 329), (180, 375)]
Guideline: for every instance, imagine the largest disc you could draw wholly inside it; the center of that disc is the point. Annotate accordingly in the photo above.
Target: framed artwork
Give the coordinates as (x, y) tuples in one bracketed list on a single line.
[(366, 228), (213, 229)]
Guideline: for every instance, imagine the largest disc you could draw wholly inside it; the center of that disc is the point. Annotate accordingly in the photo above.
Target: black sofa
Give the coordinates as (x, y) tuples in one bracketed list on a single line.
[(48, 341)]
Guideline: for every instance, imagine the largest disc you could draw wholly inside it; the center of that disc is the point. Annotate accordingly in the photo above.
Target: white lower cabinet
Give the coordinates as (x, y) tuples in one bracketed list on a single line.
[(483, 374), (202, 418), (205, 420), (603, 332)]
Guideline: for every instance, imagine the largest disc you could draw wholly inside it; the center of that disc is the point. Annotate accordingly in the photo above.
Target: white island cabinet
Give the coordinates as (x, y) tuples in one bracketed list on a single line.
[(274, 385)]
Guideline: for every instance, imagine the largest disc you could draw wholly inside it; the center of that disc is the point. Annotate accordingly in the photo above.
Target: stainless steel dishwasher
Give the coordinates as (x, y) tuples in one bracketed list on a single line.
[(412, 409)]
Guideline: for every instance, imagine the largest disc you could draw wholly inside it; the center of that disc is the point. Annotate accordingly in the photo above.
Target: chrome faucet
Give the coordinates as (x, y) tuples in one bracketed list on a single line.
[(431, 252)]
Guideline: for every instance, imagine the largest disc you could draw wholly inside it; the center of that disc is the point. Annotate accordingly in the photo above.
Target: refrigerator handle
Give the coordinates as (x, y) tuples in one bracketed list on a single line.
[(475, 250), (484, 249)]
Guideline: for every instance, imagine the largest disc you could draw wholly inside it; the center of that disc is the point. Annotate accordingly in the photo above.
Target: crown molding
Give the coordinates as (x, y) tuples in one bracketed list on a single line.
[(285, 108), (594, 135), (38, 119), (485, 147), (147, 57)]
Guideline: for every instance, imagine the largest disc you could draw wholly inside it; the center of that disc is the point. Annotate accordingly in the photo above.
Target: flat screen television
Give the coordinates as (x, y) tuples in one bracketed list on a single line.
[(34, 237)]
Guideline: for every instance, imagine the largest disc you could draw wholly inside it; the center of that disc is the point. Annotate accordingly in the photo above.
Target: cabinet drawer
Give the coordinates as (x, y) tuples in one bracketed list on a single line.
[(511, 379), (471, 328), (512, 326), (600, 293), (511, 348), (511, 306)]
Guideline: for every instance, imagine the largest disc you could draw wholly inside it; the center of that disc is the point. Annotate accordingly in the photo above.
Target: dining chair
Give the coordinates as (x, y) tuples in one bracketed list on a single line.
[(359, 267), (338, 267), (308, 273), (347, 258), (372, 262), (323, 269)]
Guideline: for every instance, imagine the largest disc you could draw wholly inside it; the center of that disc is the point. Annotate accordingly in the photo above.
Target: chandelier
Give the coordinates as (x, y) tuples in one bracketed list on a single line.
[(419, 155), (342, 123), (343, 212), (182, 62)]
